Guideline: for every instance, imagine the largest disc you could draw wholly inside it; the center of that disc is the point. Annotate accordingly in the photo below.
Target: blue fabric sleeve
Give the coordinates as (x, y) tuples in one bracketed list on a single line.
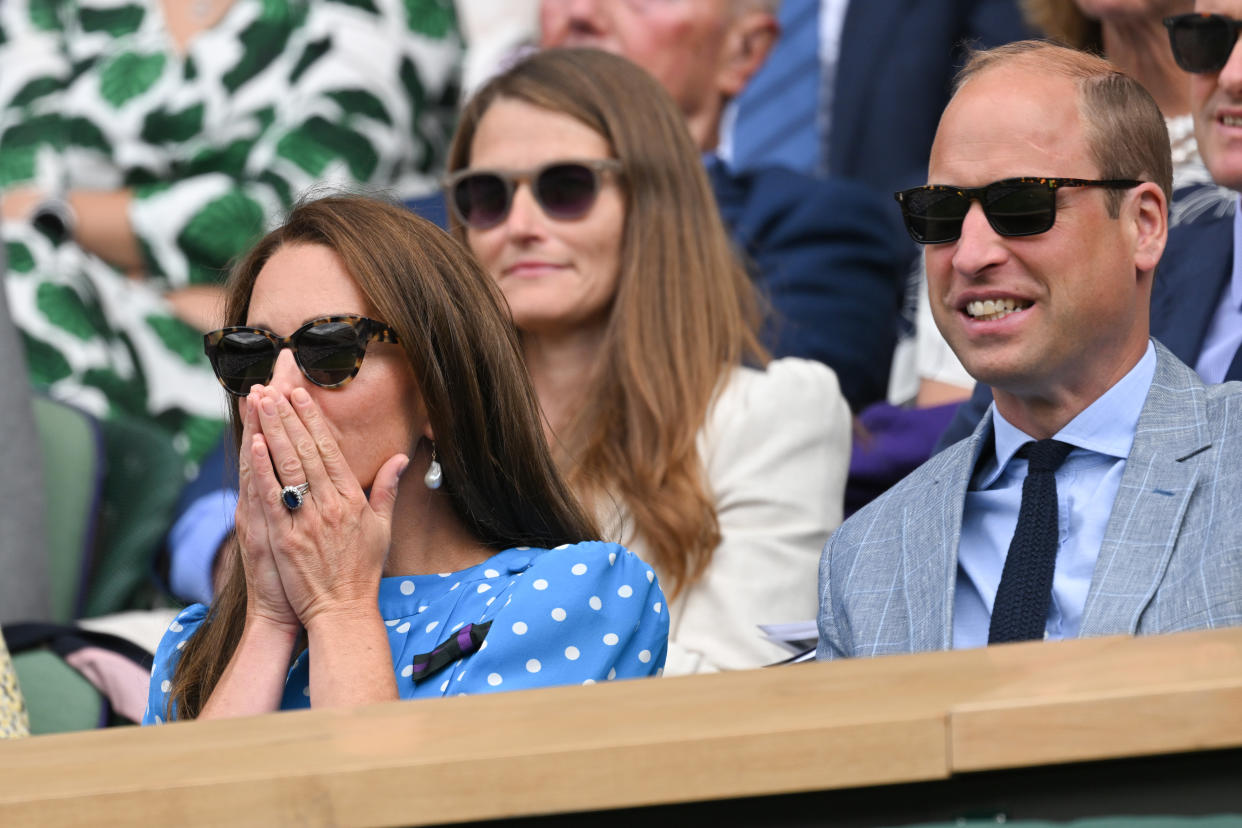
[(194, 541), (167, 654), (581, 614)]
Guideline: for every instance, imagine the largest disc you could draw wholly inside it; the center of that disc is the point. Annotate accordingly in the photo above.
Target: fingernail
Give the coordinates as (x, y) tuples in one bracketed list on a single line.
[(401, 470), (269, 407), (300, 396)]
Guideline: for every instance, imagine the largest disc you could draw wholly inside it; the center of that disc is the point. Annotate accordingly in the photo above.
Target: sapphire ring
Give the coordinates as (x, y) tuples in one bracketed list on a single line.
[(292, 496)]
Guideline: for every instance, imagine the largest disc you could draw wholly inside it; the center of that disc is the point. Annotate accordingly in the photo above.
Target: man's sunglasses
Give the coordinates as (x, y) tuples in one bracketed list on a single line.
[(328, 351), (1202, 42), (564, 190), (1014, 206)]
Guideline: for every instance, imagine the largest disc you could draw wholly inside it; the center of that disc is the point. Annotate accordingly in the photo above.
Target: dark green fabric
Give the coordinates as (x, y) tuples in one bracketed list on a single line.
[(144, 476), (58, 699), (71, 476)]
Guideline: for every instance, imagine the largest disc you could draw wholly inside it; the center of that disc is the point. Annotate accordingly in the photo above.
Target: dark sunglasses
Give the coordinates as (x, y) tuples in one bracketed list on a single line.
[(564, 190), (1202, 42), (328, 351), (1014, 206)]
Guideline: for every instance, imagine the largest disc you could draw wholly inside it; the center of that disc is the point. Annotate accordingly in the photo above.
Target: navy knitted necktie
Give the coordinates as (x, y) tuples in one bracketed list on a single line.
[(1020, 611)]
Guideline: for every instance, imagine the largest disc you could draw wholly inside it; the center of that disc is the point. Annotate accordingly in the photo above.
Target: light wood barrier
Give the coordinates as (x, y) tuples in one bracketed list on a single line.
[(812, 727)]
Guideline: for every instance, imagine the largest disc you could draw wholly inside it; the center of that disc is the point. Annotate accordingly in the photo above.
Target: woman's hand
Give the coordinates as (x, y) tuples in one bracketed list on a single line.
[(330, 552), (265, 594)]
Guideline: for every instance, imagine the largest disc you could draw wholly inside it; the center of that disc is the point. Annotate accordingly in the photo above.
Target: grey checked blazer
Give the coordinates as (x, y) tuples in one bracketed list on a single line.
[(1171, 558)]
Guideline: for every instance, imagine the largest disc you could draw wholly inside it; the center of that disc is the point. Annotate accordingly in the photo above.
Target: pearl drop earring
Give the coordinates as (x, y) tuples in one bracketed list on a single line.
[(435, 475)]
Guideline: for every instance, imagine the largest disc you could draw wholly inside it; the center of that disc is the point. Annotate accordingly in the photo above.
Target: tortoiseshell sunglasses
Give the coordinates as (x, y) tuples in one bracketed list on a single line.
[(328, 351)]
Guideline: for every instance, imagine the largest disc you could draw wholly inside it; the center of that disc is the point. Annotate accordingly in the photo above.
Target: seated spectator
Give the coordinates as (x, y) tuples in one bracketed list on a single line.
[(13, 719), (476, 574), (574, 180), (867, 79), (827, 255), (1198, 263), (147, 144), (1105, 458)]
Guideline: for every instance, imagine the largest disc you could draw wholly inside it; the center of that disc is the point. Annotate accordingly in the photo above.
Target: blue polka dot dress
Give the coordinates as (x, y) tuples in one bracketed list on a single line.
[(577, 614)]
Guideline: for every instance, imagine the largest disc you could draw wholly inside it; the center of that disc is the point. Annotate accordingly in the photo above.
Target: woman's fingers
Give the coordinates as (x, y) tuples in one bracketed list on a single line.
[(306, 447), (284, 455), (328, 451), (263, 483), (384, 490), (250, 426)]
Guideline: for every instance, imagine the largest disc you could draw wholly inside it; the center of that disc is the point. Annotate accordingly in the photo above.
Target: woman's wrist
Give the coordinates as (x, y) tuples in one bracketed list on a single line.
[(356, 615), (270, 627)]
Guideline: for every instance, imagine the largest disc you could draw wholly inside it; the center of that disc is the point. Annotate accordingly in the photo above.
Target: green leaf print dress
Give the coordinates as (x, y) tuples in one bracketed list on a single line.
[(279, 98)]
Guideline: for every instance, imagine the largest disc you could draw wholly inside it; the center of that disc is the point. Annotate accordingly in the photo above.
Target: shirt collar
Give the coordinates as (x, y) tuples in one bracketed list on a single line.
[(1235, 284), (1106, 426)]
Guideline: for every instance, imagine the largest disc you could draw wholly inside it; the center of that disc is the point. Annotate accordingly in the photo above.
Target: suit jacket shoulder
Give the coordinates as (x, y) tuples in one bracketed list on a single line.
[(1171, 558)]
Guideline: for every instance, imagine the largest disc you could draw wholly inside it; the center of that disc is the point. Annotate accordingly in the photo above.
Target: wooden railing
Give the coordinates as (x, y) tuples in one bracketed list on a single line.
[(811, 727)]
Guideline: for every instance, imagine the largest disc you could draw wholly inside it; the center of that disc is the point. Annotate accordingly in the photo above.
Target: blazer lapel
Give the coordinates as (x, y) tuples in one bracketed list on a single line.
[(930, 540), (1151, 502)]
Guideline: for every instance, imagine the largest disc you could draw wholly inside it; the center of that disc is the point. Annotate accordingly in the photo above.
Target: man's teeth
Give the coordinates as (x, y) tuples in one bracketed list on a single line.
[(1231, 120), (989, 310)]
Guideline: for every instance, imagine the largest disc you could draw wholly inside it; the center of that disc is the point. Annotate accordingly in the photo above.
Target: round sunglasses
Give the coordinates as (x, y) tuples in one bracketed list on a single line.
[(328, 351), (1202, 43), (564, 190), (1013, 206)]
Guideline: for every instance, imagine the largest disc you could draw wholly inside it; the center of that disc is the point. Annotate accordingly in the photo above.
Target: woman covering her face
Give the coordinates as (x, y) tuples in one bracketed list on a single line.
[(362, 340), (576, 184)]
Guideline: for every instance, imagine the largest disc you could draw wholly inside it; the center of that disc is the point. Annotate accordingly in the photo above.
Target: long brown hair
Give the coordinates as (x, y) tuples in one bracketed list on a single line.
[(684, 316), (452, 323)]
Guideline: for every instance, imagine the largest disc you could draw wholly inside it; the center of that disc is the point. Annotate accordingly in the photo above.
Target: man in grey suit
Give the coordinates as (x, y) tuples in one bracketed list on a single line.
[(1043, 224)]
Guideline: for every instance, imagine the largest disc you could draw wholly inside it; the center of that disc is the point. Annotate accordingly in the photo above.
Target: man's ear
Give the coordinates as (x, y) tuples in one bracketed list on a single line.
[(749, 40), (1150, 214)]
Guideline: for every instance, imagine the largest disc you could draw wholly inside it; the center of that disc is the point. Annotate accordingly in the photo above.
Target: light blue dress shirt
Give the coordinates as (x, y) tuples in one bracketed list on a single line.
[(1224, 334), (1087, 484)]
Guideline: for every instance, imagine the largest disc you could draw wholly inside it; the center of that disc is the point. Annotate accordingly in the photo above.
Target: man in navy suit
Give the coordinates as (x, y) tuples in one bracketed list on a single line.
[(872, 77), (892, 80), (828, 255)]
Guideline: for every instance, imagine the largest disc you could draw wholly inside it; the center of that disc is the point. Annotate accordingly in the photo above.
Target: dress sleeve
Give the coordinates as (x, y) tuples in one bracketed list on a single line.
[(776, 448), (362, 100), (581, 614), (167, 654)]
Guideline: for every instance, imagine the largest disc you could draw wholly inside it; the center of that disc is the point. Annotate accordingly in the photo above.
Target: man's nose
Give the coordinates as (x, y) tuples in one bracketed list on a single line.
[(573, 22), (979, 246)]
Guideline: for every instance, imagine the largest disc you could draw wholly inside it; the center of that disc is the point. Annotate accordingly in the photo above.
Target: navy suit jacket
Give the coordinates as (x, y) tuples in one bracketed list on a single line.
[(893, 77), (828, 255), (1193, 274)]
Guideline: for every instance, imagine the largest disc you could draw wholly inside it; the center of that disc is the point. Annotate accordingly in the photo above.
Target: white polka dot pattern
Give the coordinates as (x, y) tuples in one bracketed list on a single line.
[(541, 633)]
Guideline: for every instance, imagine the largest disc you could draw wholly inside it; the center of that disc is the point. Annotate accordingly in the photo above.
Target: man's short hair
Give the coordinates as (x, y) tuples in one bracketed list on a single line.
[(1124, 128)]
